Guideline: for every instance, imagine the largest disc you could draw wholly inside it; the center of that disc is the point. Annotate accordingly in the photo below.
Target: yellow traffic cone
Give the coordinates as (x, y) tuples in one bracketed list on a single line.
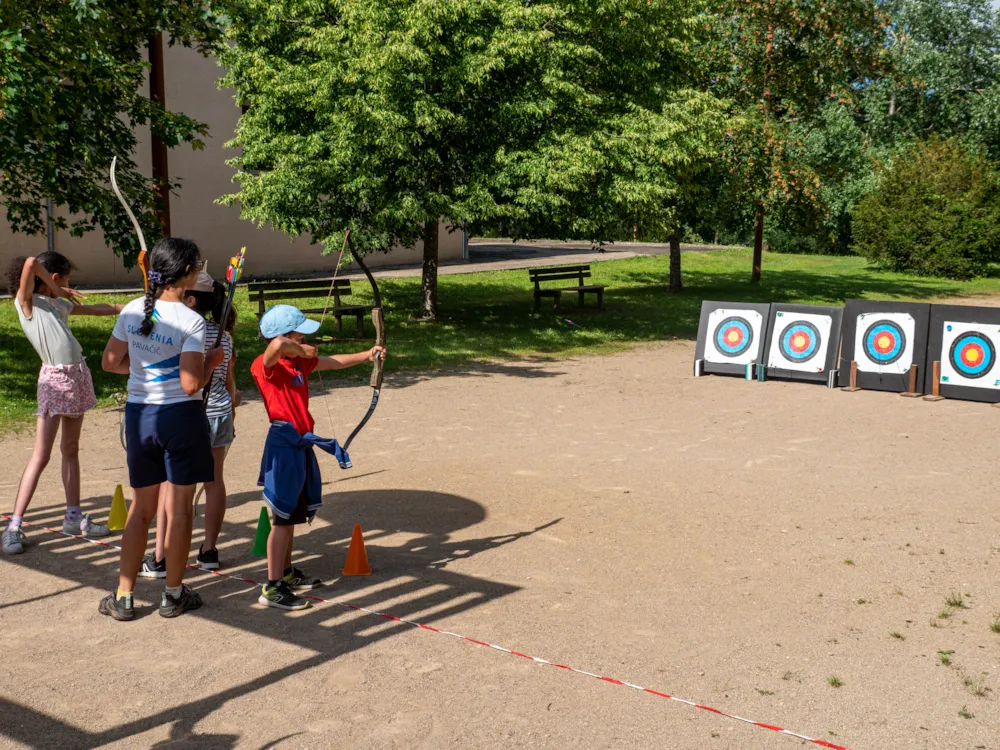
[(118, 514)]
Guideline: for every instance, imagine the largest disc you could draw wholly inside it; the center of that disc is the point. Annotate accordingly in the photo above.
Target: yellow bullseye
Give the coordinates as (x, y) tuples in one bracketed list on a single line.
[(883, 342), (799, 341), (971, 355), (732, 337)]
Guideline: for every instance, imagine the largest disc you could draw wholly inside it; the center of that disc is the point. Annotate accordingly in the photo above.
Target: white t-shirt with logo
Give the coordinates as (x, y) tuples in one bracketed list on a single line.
[(155, 360)]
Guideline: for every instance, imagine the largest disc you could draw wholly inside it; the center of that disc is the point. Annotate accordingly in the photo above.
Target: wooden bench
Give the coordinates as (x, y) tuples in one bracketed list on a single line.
[(269, 291), (562, 273)]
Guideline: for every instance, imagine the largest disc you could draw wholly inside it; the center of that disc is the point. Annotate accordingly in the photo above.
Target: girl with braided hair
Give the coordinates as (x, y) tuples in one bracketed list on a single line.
[(160, 344)]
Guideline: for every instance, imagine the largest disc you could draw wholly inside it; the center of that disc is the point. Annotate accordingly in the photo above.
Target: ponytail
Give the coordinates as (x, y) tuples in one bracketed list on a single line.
[(170, 261)]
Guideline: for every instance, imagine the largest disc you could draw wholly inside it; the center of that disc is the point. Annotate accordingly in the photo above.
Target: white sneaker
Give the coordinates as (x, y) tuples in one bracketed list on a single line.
[(85, 527), (12, 542)]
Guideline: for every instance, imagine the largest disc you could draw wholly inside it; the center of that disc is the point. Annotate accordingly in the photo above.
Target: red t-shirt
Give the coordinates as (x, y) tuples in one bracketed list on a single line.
[(285, 389)]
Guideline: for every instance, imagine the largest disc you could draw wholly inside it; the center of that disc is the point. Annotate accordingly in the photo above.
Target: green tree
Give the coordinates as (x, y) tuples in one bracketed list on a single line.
[(71, 72), (562, 119), (936, 211), (946, 60), (780, 62)]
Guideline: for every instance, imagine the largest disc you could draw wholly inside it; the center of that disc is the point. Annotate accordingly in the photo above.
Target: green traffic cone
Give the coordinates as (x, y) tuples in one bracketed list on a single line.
[(263, 532)]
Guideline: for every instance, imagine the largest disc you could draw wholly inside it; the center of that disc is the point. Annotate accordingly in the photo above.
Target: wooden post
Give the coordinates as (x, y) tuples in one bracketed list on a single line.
[(854, 378), (935, 383), (911, 391)]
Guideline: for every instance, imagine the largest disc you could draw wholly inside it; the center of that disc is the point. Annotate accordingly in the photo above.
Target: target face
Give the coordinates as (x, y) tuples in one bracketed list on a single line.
[(884, 342), (969, 355), (733, 336), (800, 342)]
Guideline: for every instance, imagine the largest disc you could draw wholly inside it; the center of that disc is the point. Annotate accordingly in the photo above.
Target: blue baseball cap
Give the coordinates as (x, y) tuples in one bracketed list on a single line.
[(281, 320)]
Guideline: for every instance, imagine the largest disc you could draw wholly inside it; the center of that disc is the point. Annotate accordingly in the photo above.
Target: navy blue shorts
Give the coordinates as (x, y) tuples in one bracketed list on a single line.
[(168, 443)]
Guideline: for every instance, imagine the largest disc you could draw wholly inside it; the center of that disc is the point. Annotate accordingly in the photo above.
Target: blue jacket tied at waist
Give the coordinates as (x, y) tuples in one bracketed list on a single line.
[(289, 467)]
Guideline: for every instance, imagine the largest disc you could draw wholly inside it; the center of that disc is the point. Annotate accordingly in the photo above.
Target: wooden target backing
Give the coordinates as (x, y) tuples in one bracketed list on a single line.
[(966, 341), (731, 335), (885, 338), (803, 341)]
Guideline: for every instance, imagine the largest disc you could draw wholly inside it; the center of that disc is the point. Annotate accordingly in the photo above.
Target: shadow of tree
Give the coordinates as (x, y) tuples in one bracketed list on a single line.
[(411, 574)]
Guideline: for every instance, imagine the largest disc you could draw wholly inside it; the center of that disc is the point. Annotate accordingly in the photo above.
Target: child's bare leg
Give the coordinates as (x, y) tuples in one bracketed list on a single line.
[(69, 444), (45, 436), (160, 551), (136, 535), (180, 512), (215, 501), (288, 554), (279, 551)]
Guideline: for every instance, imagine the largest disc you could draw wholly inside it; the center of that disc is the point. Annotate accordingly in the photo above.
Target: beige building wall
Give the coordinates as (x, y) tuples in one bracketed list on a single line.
[(191, 88)]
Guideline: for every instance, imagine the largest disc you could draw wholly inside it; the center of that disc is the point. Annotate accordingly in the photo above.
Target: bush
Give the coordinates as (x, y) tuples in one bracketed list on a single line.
[(935, 211)]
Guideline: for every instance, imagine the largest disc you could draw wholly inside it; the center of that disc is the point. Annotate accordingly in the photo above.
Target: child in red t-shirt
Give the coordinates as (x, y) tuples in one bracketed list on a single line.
[(289, 472)]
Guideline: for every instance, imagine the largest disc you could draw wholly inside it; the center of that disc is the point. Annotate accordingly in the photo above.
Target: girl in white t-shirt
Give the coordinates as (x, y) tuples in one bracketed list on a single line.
[(159, 343), (207, 297), (44, 301)]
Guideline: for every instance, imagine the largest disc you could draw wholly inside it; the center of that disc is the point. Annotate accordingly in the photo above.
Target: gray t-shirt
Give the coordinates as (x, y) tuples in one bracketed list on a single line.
[(48, 330)]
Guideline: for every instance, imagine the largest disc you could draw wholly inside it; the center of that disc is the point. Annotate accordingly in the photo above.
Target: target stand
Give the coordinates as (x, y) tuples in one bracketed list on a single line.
[(804, 343), (935, 394), (884, 346), (964, 343), (731, 337)]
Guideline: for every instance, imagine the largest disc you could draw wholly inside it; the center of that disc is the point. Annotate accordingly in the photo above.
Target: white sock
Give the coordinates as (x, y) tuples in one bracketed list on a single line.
[(175, 591)]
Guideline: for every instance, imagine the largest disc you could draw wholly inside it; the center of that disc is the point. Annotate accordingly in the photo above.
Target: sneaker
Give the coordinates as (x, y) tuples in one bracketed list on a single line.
[(173, 606), (119, 609), (280, 596), (208, 558), (298, 581), (153, 568), (13, 541), (85, 527)]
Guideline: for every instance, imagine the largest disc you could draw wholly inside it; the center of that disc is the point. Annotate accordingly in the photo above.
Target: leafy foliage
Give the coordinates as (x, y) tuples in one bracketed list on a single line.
[(558, 119), (935, 212), (71, 73)]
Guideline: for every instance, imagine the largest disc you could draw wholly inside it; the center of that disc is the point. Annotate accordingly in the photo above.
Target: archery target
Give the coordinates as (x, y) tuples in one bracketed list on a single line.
[(733, 336), (800, 342), (883, 342), (969, 355)]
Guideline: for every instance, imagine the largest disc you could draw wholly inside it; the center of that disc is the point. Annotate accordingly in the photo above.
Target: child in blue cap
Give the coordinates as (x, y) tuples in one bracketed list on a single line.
[(289, 471)]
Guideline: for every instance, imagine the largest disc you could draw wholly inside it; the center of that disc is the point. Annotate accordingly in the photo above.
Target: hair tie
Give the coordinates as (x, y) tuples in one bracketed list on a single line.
[(154, 277)]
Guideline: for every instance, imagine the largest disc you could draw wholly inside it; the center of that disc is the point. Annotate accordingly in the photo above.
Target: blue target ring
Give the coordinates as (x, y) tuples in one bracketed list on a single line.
[(884, 342), (972, 355), (800, 341), (733, 336)]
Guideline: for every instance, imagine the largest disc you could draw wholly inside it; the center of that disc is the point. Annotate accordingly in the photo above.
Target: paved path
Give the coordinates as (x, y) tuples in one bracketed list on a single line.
[(500, 255)]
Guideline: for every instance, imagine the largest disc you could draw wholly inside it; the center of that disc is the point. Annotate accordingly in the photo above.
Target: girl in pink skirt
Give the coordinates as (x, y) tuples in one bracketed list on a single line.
[(44, 301)]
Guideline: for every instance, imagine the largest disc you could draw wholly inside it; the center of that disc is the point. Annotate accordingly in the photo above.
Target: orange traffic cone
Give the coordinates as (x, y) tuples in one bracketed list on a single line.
[(357, 558)]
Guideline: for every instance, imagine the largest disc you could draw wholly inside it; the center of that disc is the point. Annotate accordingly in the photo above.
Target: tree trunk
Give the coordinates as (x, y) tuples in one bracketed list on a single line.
[(758, 245), (675, 285), (428, 284), (161, 174)]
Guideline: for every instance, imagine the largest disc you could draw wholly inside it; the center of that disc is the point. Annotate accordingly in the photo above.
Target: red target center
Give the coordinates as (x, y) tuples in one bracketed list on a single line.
[(733, 336), (799, 342), (972, 354), (885, 343)]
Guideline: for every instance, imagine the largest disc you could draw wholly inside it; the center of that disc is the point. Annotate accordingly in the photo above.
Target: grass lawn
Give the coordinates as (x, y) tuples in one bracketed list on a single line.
[(489, 316)]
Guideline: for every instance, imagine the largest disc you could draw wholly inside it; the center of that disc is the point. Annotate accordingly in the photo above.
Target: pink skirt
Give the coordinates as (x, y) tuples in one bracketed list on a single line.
[(65, 390)]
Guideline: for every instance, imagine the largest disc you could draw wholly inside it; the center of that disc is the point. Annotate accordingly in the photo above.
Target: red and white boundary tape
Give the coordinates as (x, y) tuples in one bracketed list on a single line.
[(537, 660)]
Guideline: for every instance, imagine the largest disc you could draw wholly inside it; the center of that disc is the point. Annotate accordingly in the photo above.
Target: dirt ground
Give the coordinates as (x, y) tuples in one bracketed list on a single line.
[(732, 543)]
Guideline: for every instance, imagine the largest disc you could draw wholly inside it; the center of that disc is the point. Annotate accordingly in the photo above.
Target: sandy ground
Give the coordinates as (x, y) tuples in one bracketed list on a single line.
[(710, 538)]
